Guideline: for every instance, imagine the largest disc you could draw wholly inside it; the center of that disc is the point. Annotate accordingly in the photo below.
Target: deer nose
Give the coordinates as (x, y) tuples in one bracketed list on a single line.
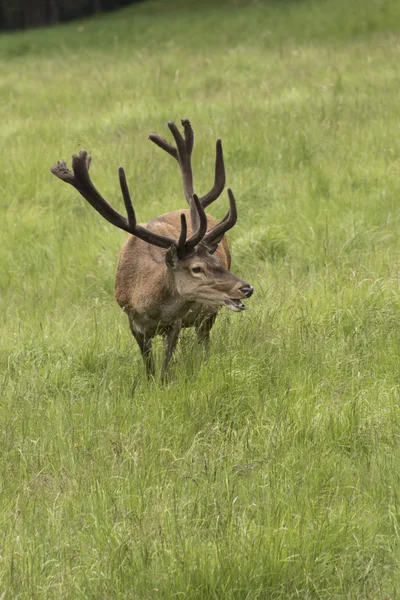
[(247, 290)]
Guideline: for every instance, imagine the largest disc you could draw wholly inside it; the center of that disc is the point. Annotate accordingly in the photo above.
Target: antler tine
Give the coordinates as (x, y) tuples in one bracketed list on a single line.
[(218, 232), (189, 135), (219, 180), (180, 142), (200, 232), (182, 237), (130, 211), (164, 145)]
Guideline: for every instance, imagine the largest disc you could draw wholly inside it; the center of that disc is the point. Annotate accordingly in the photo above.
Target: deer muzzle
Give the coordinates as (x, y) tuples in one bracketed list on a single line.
[(247, 290), (236, 304)]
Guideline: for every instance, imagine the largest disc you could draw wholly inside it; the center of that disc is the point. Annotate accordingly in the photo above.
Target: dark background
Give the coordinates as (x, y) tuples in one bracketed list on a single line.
[(23, 14)]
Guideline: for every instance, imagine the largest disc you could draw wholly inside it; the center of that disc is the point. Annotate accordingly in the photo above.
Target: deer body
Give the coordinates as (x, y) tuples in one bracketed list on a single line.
[(173, 271)]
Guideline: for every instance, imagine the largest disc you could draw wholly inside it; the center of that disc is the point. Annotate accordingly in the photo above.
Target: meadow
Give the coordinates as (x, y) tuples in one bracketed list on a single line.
[(272, 469)]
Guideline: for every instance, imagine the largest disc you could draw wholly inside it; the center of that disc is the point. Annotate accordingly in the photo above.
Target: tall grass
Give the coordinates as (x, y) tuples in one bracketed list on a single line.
[(271, 470)]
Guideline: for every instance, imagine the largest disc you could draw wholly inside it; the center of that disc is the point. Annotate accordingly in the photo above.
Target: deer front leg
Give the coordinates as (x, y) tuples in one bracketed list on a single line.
[(171, 341), (203, 330), (144, 344)]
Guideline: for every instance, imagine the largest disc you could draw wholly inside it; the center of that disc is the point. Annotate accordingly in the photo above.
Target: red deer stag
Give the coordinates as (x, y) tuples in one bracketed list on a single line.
[(173, 271)]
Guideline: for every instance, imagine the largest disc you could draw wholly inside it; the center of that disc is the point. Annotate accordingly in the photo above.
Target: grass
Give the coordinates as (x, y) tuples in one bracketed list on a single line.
[(270, 471)]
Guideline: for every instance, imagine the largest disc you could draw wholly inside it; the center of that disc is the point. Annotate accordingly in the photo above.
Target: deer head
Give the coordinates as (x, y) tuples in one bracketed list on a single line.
[(202, 278)]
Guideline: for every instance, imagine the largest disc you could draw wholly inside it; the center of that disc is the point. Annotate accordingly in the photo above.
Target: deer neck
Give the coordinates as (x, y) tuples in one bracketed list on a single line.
[(174, 304)]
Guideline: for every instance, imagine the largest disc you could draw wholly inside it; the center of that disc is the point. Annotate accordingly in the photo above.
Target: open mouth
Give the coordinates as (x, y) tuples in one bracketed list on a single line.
[(235, 305)]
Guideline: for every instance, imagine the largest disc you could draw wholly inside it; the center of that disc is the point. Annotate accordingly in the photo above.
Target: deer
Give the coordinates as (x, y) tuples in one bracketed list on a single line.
[(173, 271)]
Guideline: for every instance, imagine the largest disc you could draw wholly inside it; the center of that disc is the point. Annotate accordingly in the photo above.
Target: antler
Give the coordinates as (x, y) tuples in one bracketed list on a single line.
[(183, 153), (81, 181), (215, 235)]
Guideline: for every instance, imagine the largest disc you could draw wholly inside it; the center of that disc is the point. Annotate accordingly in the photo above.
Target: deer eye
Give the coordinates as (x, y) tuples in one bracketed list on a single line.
[(197, 270)]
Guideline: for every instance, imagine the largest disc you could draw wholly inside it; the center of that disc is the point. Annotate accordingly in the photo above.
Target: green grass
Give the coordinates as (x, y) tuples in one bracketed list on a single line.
[(272, 470)]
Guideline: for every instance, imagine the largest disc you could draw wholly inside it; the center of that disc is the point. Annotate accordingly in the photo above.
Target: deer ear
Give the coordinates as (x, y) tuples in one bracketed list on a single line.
[(171, 257), (212, 248)]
